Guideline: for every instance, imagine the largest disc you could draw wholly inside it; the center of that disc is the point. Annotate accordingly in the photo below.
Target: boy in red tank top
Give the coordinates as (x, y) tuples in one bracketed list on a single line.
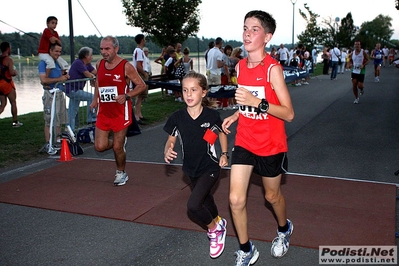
[(261, 143)]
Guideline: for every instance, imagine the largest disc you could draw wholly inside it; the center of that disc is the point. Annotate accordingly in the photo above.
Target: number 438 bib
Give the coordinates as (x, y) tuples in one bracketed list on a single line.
[(108, 94)]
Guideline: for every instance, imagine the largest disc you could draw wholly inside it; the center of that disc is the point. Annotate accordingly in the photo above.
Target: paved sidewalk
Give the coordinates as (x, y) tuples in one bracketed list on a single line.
[(330, 136)]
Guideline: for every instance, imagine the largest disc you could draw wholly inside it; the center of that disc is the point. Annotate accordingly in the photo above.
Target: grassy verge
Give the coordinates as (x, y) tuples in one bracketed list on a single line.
[(23, 144)]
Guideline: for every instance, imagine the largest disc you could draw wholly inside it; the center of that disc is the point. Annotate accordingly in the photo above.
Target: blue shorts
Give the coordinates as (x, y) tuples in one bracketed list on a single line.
[(267, 166)]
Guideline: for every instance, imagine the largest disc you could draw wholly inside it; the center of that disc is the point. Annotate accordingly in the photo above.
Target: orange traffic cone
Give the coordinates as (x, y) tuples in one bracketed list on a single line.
[(65, 155)]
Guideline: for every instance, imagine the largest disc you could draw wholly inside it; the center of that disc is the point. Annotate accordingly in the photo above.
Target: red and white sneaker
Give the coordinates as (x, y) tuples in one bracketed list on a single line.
[(217, 238)]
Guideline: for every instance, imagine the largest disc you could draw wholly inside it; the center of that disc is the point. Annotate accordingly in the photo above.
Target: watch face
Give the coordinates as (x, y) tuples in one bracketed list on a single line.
[(263, 106)]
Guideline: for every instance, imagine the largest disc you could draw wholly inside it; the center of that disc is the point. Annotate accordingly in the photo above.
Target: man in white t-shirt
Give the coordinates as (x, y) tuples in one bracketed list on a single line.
[(147, 62), (283, 54), (215, 63), (138, 63), (314, 57)]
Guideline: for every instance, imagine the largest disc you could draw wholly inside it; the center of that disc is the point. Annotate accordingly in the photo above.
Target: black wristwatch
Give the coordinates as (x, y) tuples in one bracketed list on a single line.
[(225, 153), (127, 97), (263, 107)]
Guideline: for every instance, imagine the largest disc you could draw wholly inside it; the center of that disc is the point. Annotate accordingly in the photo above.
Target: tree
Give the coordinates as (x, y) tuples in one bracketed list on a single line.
[(313, 33), (165, 21), (347, 31), (377, 30)]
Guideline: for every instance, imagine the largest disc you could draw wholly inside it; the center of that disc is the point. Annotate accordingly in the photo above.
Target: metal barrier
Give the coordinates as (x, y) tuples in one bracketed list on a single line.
[(79, 94)]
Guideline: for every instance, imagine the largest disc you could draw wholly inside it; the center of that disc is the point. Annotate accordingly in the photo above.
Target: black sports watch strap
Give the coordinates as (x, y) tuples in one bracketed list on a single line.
[(262, 107)]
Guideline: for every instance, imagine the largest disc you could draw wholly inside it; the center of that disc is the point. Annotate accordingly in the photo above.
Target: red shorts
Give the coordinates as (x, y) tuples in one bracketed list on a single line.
[(112, 124), (6, 87)]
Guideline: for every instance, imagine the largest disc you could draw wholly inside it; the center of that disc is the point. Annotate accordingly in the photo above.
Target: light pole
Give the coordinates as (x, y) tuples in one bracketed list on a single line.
[(336, 29), (293, 20)]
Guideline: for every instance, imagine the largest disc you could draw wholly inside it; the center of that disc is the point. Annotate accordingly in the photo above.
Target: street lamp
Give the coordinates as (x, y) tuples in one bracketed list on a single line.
[(293, 21), (336, 29)]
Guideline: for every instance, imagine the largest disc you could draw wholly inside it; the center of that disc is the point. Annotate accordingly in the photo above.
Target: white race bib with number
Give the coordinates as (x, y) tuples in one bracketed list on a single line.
[(108, 94), (356, 69)]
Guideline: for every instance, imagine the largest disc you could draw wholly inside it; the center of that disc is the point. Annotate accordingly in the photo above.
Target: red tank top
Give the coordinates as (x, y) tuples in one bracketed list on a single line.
[(262, 134), (111, 83)]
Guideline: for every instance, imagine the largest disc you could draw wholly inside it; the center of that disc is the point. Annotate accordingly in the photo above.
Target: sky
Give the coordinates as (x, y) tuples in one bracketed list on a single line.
[(221, 18)]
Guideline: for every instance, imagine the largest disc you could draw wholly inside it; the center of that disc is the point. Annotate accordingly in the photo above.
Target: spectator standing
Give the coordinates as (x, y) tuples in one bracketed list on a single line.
[(147, 62), (225, 79), (296, 62), (343, 61), (326, 60), (161, 60), (283, 54), (215, 63), (187, 61), (179, 53), (244, 53), (274, 54), (7, 86), (210, 46), (112, 100), (335, 57), (314, 57), (170, 69), (307, 65), (81, 68), (138, 63), (347, 60), (49, 81)]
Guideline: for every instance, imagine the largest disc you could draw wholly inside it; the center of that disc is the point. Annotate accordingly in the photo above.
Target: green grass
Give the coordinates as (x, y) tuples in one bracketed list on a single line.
[(23, 144)]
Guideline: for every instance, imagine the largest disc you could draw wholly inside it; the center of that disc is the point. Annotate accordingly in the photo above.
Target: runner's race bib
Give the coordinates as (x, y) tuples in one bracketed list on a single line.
[(108, 94), (356, 69)]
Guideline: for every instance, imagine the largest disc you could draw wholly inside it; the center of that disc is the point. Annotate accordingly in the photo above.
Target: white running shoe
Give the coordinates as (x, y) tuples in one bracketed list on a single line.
[(281, 243), (50, 149), (120, 178), (356, 101), (247, 258)]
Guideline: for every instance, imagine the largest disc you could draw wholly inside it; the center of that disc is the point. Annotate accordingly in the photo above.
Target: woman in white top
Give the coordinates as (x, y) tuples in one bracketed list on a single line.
[(343, 61), (187, 60)]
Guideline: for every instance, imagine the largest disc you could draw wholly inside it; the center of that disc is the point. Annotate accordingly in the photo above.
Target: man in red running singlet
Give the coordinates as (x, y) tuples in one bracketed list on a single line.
[(113, 104)]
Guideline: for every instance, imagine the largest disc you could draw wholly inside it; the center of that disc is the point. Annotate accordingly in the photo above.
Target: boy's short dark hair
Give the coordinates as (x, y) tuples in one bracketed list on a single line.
[(265, 19), (50, 18), (139, 37)]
